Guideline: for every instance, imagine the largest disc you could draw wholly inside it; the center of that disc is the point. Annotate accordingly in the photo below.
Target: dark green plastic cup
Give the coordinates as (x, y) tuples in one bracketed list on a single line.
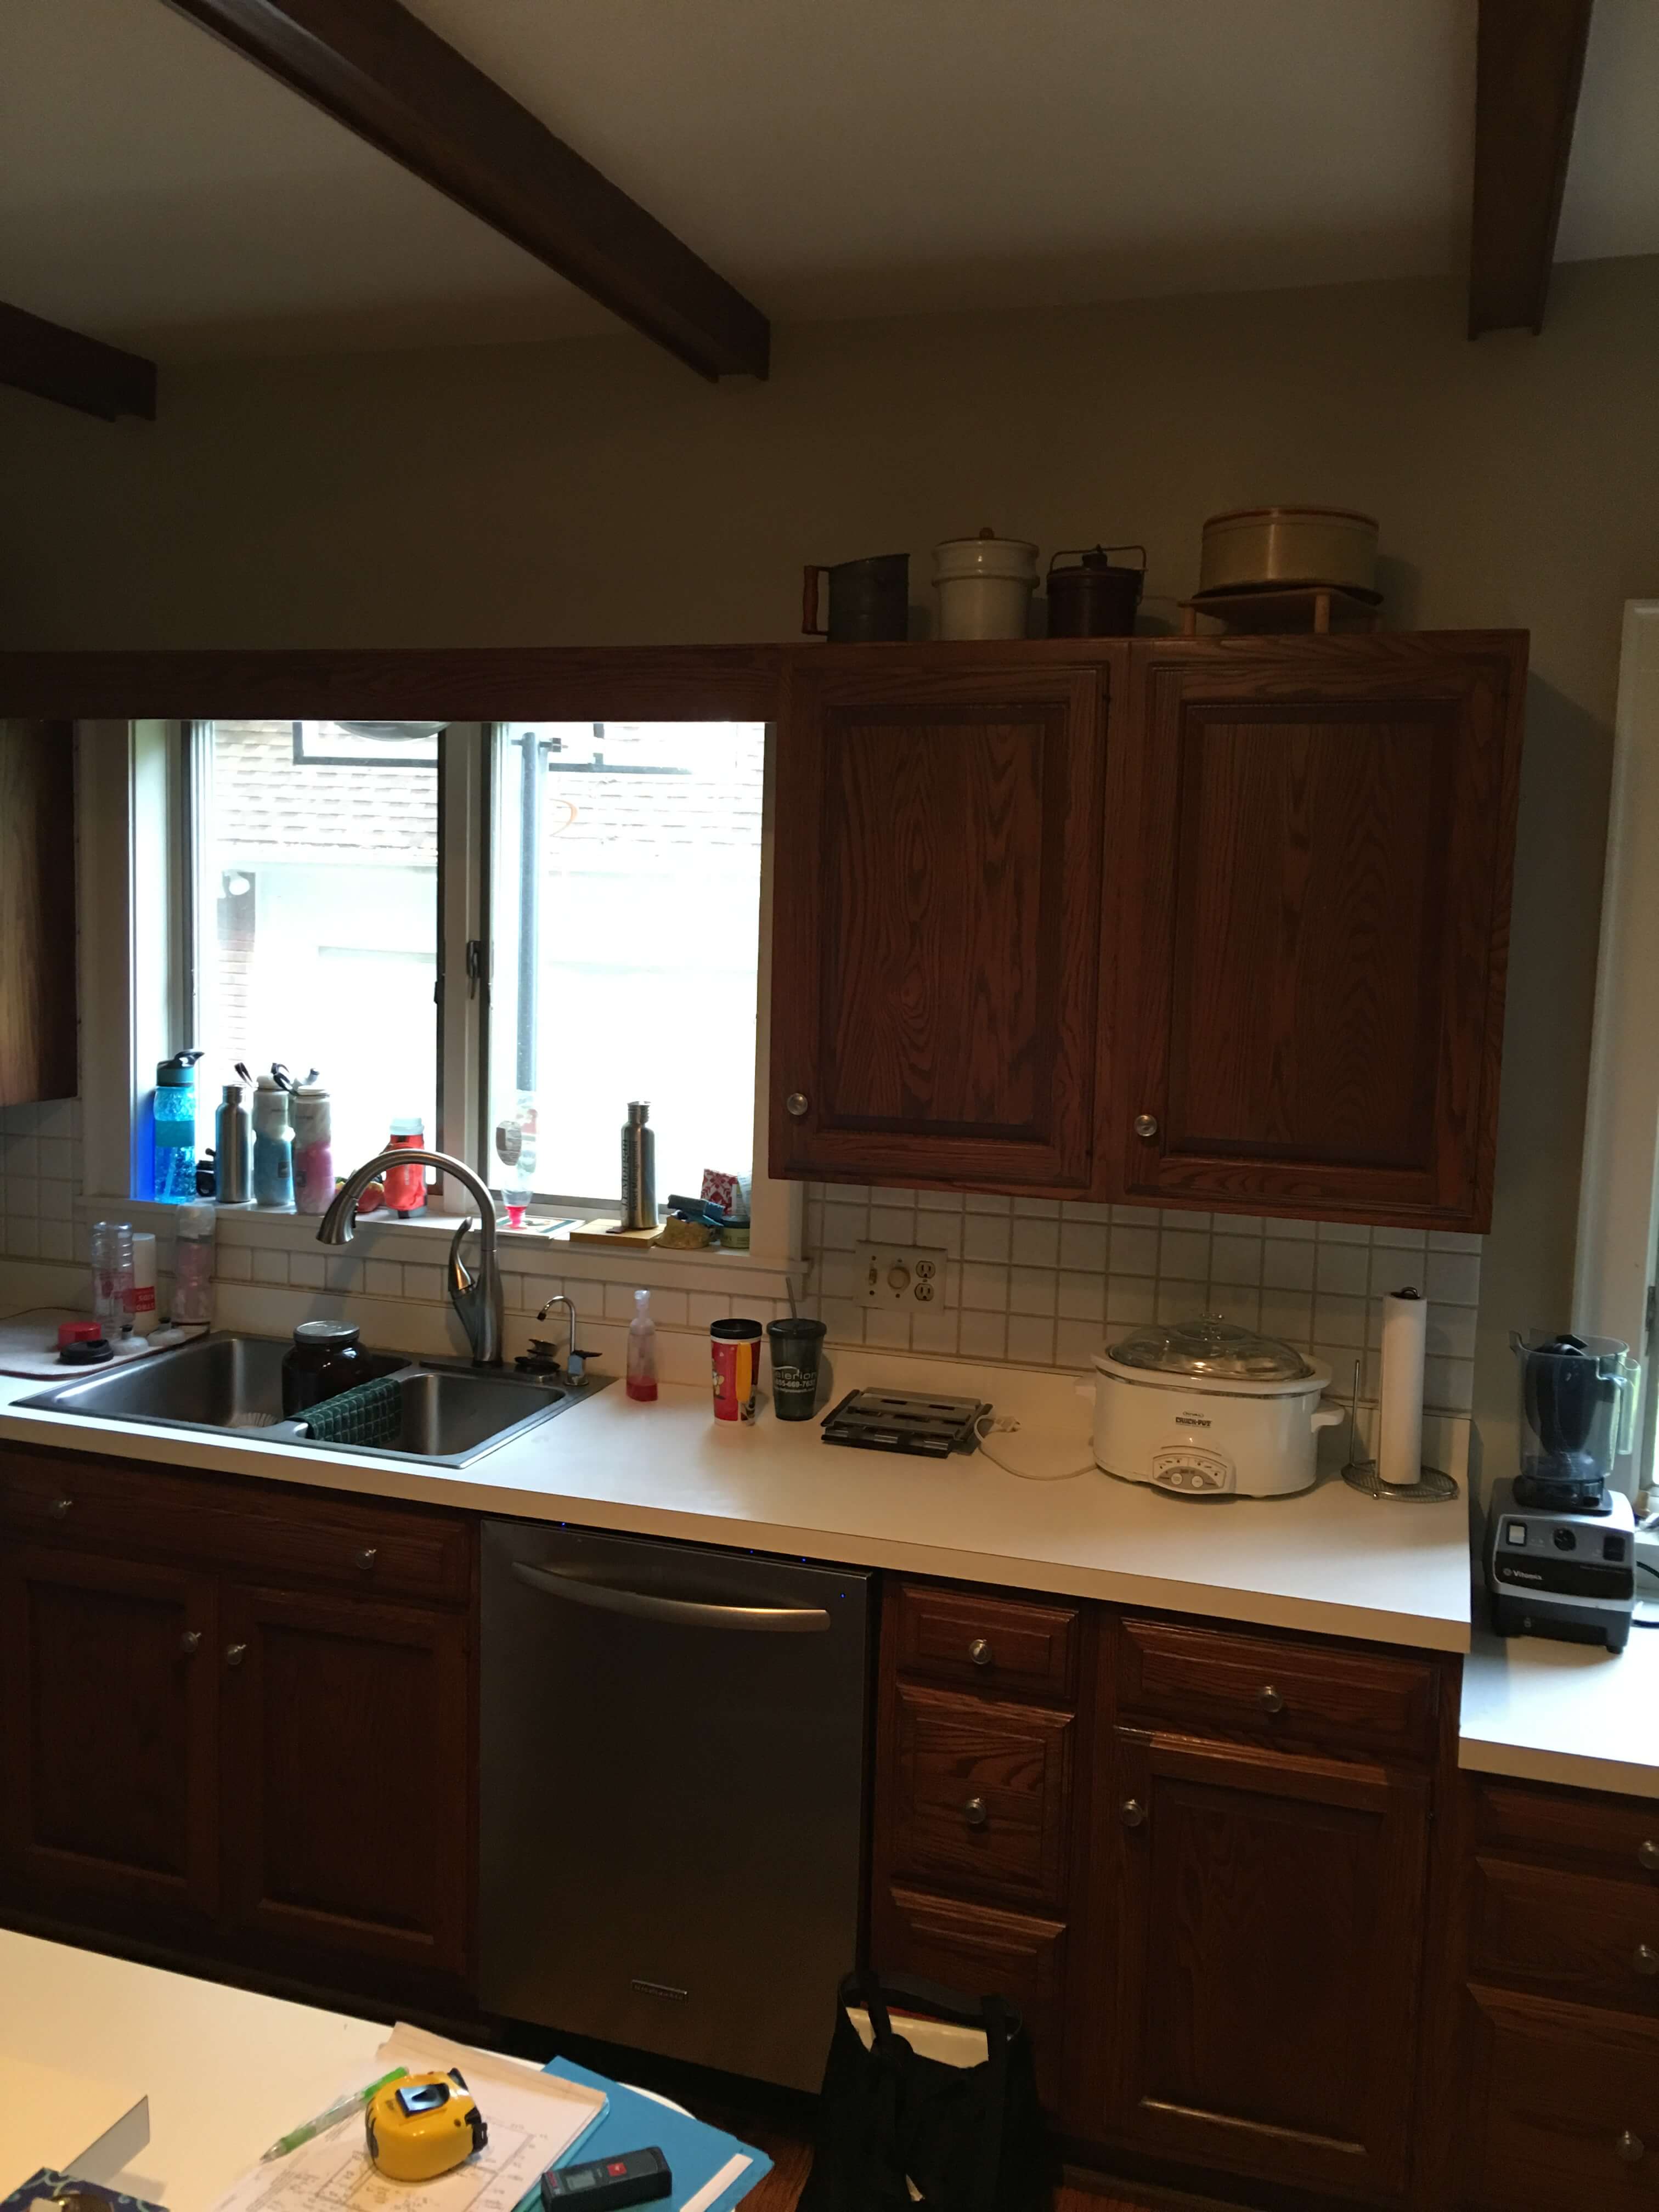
[(796, 1346)]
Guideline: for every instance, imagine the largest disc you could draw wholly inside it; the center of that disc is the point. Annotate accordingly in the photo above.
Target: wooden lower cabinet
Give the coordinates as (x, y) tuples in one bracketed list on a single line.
[(346, 1776), (978, 1949), (1263, 1918), (108, 1737), (1564, 2111), (281, 1774)]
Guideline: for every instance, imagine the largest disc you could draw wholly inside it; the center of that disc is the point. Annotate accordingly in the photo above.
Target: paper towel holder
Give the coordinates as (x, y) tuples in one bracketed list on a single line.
[(1430, 1488)]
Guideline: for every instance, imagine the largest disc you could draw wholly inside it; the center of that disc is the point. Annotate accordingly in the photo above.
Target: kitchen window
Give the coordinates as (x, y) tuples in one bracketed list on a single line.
[(458, 921)]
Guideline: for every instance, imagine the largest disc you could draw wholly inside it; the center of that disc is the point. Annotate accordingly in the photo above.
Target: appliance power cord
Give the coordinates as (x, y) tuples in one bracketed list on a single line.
[(993, 1424)]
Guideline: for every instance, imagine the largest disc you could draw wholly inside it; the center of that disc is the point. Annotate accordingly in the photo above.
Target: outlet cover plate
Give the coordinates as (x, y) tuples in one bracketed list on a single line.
[(910, 1277)]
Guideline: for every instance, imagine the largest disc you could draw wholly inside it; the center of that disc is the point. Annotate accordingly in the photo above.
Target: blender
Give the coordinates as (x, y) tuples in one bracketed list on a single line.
[(1560, 1541)]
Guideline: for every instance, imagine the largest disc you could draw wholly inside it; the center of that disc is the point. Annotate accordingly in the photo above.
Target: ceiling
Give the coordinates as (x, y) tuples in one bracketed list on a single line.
[(863, 157)]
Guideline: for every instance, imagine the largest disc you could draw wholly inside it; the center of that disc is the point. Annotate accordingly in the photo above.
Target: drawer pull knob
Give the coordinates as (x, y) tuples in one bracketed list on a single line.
[(1146, 1126), (795, 1104), (1646, 1960), (60, 1506), (190, 1642), (1132, 1813), (979, 1652), (1631, 2148), (1272, 1700), (367, 1557), (975, 1812), (234, 1654), (1649, 1855)]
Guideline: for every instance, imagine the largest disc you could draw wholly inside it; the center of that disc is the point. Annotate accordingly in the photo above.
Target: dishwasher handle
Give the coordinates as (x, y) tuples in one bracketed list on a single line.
[(679, 1612)]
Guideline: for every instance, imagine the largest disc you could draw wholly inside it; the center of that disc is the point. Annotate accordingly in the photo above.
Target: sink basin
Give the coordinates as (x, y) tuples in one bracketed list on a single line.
[(452, 1416)]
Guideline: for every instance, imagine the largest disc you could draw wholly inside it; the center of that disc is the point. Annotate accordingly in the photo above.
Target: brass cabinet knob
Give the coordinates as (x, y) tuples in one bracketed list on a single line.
[(365, 1558), (1271, 1699), (1649, 1855), (1646, 1960), (795, 1104), (190, 1642), (1631, 2148), (234, 1654), (60, 1506), (975, 1812), (1132, 1813), (1146, 1124), (980, 1652)]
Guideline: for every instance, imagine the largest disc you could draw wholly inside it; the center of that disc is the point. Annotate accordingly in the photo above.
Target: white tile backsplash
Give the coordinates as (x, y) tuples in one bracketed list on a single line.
[(1047, 1283)]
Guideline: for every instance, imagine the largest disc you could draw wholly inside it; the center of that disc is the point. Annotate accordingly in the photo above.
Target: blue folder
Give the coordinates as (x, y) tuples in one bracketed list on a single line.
[(696, 2153)]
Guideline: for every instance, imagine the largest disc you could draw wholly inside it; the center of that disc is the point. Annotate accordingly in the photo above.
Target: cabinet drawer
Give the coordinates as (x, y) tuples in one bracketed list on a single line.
[(981, 1952), (248, 1525), (1617, 1836), (1585, 1938), (980, 1796), (1566, 2114), (1262, 1689), (998, 1644)]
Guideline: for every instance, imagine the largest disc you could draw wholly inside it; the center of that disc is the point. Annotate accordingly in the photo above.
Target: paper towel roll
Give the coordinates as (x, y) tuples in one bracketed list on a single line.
[(1400, 1412)]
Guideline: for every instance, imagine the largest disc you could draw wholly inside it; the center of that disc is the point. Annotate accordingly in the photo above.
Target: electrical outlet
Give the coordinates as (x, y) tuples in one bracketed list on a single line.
[(903, 1275)]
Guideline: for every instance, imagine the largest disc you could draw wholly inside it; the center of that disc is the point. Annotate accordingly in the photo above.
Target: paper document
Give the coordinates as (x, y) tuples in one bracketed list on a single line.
[(535, 2119)]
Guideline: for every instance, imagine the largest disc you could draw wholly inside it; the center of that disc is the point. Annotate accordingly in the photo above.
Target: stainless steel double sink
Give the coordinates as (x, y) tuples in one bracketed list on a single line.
[(450, 1416)]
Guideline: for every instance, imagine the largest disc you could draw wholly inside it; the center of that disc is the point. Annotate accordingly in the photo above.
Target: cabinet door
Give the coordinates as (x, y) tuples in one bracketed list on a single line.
[(1263, 1918), (347, 1767), (39, 1043), (1314, 926), (937, 922), (108, 1761)]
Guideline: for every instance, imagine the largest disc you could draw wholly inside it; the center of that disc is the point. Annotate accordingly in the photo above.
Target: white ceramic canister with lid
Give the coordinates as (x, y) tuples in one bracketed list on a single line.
[(984, 584)]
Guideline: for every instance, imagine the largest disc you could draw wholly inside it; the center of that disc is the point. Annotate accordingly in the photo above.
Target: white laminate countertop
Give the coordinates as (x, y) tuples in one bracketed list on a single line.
[(1327, 1560), (1544, 1711), (226, 2070)]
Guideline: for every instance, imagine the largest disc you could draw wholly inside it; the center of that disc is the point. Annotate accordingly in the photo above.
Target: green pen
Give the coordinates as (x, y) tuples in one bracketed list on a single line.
[(331, 2118)]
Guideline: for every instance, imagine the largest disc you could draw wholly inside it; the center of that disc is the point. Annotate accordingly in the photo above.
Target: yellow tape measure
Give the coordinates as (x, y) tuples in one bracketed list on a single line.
[(423, 2125)]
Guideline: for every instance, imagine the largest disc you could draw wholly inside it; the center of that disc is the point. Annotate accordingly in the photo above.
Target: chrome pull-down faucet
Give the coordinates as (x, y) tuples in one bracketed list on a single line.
[(477, 1298)]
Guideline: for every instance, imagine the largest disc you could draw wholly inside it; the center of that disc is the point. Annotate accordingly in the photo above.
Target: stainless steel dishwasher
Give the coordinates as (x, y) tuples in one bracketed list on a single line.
[(674, 1763)]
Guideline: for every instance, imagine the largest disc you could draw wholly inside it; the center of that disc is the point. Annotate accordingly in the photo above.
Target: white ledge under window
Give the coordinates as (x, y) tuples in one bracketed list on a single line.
[(521, 1251)]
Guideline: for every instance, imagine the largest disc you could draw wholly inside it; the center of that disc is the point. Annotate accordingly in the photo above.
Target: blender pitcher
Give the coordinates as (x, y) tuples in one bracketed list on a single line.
[(1578, 1398)]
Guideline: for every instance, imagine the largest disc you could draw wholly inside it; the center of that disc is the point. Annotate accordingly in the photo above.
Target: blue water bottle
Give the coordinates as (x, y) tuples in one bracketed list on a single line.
[(174, 1178)]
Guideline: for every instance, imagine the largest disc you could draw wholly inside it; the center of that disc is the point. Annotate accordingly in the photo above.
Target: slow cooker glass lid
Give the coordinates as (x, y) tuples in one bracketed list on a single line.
[(1210, 1347)]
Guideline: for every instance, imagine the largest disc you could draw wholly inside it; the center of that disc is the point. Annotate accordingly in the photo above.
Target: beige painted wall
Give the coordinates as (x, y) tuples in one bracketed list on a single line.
[(591, 492)]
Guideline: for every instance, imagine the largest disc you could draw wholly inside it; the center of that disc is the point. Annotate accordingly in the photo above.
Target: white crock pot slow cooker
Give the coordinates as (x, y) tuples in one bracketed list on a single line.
[(1207, 1409)]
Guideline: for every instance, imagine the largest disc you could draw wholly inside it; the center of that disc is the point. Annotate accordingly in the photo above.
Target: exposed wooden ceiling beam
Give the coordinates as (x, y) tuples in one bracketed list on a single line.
[(380, 72), (1529, 63), (53, 363)]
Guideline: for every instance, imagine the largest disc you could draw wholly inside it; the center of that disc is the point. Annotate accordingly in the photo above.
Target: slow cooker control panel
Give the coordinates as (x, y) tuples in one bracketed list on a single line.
[(1189, 1470)]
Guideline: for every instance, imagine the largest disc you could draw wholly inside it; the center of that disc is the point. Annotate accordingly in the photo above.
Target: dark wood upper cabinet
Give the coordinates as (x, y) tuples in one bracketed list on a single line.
[(936, 918), (1315, 838), (38, 1045)]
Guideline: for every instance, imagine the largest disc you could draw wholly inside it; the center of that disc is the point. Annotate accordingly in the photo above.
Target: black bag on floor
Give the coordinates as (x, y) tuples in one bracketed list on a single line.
[(895, 2130)]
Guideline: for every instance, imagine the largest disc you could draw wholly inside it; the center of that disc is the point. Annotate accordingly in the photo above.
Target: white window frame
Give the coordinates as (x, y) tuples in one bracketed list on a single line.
[(1618, 1191), (137, 989)]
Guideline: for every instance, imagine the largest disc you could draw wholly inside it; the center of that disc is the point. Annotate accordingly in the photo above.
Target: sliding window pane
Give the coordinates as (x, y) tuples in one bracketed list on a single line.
[(317, 916), (628, 878)]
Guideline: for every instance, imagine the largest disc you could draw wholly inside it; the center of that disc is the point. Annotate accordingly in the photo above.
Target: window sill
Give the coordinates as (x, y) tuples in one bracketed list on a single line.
[(525, 1252)]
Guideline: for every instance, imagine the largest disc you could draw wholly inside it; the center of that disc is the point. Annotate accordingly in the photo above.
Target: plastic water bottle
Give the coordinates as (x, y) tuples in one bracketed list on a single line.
[(111, 1276), (174, 1178), (192, 1265), (515, 1148)]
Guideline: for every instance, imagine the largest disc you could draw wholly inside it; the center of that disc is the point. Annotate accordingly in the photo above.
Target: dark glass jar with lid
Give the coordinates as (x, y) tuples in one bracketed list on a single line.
[(324, 1359)]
